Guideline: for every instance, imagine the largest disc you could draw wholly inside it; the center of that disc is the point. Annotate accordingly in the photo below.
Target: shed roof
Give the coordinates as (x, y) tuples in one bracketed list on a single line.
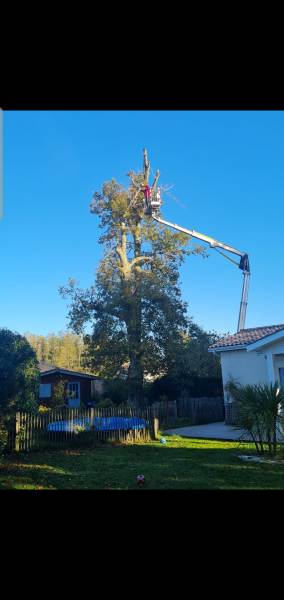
[(245, 337), (47, 369)]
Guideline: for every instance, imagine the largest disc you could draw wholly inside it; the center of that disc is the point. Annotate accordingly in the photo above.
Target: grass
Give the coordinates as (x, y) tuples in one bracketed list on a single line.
[(182, 463)]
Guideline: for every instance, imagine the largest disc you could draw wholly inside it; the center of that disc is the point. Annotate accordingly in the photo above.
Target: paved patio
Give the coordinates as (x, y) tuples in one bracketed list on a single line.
[(211, 431)]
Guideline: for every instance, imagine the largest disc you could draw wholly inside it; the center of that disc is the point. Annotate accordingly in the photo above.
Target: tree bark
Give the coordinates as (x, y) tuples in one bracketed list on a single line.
[(135, 370), (133, 310), (134, 329), (146, 166)]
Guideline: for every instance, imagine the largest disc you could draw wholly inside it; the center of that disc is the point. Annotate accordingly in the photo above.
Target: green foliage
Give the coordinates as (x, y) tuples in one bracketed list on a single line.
[(136, 294), (19, 374), (44, 409), (105, 403), (188, 355), (117, 391), (189, 367), (200, 362), (4, 428), (65, 350), (106, 348), (172, 387), (58, 399), (257, 412)]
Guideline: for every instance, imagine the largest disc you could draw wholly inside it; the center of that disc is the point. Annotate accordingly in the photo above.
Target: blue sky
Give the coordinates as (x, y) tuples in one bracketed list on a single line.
[(227, 169)]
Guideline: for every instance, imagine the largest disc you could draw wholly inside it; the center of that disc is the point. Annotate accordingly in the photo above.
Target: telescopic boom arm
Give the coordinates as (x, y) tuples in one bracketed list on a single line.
[(243, 265), (153, 203)]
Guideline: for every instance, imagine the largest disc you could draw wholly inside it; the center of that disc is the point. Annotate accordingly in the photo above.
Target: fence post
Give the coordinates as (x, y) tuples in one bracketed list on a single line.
[(17, 432), (92, 416), (155, 423), (175, 409)]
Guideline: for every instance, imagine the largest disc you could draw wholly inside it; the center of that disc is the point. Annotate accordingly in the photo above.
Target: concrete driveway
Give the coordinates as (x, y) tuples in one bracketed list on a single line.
[(212, 431)]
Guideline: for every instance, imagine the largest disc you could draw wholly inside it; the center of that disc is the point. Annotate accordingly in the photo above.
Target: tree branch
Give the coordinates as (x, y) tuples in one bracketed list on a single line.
[(135, 185), (121, 250), (140, 259), (155, 182), (146, 165)]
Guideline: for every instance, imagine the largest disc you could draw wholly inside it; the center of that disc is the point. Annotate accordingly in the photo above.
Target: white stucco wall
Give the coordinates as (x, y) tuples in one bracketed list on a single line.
[(278, 363), (256, 366), (277, 351), (275, 347), (245, 367)]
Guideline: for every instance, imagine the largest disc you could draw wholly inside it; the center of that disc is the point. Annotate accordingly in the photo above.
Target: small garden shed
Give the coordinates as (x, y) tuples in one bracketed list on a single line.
[(252, 356), (80, 387)]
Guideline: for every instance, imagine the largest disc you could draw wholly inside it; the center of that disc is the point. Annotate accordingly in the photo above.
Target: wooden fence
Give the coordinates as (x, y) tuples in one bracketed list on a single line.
[(230, 413), (164, 411), (201, 410), (68, 427), (197, 410)]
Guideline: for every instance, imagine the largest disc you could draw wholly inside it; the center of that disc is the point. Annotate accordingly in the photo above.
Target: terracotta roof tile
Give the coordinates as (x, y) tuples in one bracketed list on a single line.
[(247, 336)]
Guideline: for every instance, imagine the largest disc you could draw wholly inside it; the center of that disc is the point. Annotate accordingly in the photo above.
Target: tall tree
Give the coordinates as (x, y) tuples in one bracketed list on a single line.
[(135, 303)]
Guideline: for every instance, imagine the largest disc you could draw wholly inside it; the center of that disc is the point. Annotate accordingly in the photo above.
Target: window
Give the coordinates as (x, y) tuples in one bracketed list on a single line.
[(73, 391), (45, 390)]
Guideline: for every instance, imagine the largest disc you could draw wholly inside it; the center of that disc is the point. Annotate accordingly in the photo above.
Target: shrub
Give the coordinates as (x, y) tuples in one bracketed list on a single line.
[(19, 374), (79, 429), (7, 431), (3, 436), (43, 409), (105, 403), (116, 390), (195, 387), (257, 412), (58, 399)]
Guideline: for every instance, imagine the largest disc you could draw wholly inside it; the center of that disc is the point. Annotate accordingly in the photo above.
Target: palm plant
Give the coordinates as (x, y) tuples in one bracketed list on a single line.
[(257, 412)]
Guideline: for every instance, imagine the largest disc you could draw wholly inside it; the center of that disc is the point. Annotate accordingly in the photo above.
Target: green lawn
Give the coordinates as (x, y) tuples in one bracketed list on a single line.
[(180, 464)]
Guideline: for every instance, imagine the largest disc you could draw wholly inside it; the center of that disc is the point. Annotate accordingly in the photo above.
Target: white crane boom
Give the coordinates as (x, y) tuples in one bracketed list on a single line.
[(200, 236), (244, 262), (153, 203)]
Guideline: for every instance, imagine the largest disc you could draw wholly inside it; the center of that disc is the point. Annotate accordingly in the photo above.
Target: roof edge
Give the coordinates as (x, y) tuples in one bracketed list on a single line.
[(266, 340), (225, 348), (67, 372)]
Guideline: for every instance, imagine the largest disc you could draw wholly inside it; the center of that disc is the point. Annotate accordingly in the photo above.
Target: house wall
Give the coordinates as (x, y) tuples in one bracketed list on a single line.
[(276, 352), (85, 385), (276, 347), (278, 363), (245, 367)]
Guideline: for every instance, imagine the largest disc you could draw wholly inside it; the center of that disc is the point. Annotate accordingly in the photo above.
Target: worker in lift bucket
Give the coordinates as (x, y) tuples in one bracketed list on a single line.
[(156, 200), (146, 191)]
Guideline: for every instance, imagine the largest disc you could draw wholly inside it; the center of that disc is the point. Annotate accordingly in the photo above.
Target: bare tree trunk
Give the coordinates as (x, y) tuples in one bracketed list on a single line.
[(134, 330), (135, 371), (131, 277)]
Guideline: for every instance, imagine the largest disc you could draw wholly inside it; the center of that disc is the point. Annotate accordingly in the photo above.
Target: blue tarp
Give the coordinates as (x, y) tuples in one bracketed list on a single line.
[(100, 424)]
